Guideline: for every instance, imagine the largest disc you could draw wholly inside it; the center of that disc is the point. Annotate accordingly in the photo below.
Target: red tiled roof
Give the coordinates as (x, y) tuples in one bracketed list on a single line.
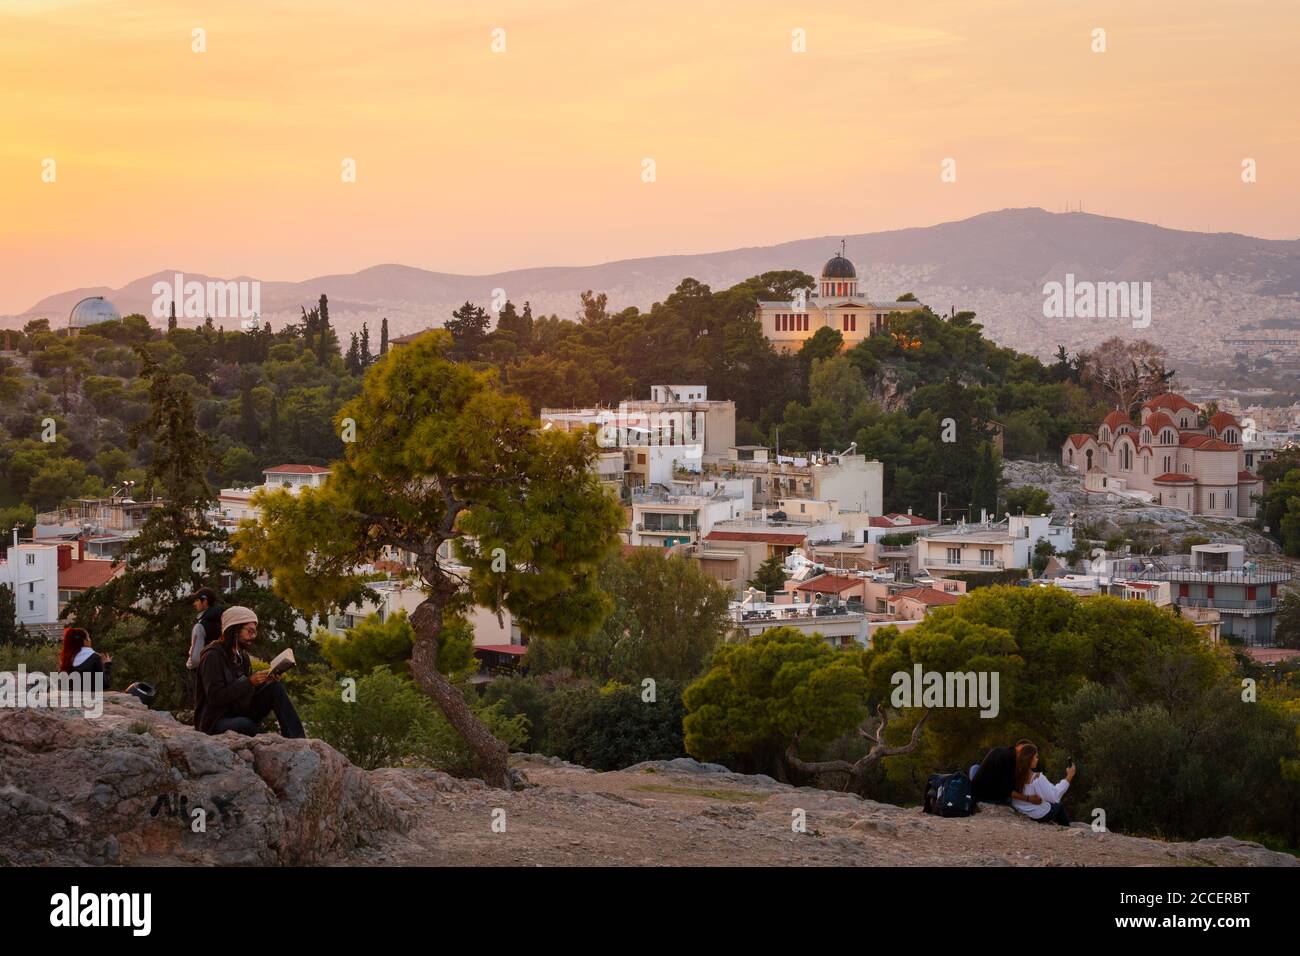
[(891, 521), (1158, 420), (928, 596), (296, 470), (81, 575), (829, 584), (1174, 476), (1168, 400), (1222, 420), (768, 537), (1204, 442), (1079, 440), (517, 649), (1116, 419), (1247, 476)]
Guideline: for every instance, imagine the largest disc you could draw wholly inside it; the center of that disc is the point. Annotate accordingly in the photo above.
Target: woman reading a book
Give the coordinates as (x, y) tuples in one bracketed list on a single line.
[(230, 696)]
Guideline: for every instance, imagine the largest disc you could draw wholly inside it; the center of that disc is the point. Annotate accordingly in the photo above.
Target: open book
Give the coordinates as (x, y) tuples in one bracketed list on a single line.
[(283, 661)]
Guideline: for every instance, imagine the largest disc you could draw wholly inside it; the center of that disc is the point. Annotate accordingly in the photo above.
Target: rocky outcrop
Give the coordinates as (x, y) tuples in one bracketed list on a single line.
[(124, 788), (134, 786), (1115, 514)]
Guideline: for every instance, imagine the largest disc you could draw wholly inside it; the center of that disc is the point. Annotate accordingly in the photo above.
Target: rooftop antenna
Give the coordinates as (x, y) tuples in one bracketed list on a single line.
[(841, 247)]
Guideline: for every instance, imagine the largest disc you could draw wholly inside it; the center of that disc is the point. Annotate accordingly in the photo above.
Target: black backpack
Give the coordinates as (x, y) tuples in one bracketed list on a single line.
[(949, 794)]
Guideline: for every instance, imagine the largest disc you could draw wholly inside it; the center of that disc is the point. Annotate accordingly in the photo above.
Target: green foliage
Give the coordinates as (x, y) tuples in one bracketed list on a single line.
[(1184, 770), (761, 694), (615, 729), (1028, 500), (392, 723), (1288, 621), (770, 576), (373, 643), (380, 728)]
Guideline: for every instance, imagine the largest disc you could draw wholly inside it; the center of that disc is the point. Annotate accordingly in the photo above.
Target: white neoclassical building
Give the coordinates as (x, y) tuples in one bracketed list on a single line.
[(835, 303)]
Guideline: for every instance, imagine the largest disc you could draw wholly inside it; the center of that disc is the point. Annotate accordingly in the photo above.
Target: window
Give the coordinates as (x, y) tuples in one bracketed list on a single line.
[(31, 559), (31, 588), (986, 557), (954, 555), (1227, 499), (1212, 497)]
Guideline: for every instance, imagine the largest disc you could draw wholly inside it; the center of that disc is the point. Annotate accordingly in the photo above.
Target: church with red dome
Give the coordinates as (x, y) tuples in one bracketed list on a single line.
[(1170, 458)]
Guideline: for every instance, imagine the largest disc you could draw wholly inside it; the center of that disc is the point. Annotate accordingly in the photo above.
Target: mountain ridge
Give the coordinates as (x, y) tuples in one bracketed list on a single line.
[(994, 263)]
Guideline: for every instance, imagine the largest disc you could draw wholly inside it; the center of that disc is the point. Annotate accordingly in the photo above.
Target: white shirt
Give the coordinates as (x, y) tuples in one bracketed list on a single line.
[(197, 636), (1039, 786), (83, 655)]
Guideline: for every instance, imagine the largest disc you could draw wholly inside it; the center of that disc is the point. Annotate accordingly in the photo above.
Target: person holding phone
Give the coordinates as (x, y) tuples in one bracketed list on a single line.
[(230, 696), (993, 779), (1031, 783)]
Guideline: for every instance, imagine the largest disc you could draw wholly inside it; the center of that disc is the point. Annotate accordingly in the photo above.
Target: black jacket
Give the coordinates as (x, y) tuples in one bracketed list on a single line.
[(211, 621), (223, 690), (95, 664)]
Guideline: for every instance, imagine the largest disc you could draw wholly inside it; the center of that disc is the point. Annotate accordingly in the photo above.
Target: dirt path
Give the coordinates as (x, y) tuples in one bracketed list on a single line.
[(680, 815)]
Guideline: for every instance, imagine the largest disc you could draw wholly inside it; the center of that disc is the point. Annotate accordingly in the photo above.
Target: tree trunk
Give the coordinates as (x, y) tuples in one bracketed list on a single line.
[(491, 753)]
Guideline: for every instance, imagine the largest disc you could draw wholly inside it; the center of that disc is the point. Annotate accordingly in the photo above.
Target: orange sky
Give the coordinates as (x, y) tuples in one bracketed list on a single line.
[(228, 162)]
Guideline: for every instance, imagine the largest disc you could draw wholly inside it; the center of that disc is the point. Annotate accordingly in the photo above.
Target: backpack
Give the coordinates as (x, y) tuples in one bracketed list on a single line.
[(949, 794)]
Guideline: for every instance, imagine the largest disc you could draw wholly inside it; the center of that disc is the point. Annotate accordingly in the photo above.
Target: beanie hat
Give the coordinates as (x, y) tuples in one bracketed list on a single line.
[(236, 615)]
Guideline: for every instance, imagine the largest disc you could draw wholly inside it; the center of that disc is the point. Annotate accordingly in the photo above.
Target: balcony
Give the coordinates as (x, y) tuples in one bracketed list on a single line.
[(972, 565), (1261, 606)]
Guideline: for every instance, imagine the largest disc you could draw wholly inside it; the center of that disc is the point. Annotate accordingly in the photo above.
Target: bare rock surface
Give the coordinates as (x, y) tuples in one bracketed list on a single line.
[(1113, 514), (684, 813), (124, 788)]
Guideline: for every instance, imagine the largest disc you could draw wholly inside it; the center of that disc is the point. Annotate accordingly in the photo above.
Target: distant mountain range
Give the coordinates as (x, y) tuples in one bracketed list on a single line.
[(1207, 287)]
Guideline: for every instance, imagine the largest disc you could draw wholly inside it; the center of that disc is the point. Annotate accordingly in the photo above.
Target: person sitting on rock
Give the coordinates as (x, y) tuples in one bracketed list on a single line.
[(1029, 782), (229, 697), (993, 779), (76, 656)]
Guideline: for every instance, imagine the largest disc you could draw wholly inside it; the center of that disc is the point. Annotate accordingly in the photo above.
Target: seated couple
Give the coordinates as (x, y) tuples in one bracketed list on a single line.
[(229, 696), (1011, 773)]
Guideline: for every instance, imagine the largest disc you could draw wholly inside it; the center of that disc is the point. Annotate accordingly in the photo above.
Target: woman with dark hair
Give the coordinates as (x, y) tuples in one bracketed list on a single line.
[(76, 656), (229, 695), (993, 779), (1029, 782)]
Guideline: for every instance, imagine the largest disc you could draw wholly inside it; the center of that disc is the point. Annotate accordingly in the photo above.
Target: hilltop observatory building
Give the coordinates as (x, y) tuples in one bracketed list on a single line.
[(91, 311), (835, 303)]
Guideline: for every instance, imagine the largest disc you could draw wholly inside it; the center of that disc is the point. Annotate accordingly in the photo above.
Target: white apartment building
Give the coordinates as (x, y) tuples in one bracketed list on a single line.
[(31, 571), (686, 511), (989, 546), (851, 481)]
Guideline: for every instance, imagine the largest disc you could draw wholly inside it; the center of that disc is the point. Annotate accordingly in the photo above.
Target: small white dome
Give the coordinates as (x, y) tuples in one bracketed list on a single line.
[(92, 311)]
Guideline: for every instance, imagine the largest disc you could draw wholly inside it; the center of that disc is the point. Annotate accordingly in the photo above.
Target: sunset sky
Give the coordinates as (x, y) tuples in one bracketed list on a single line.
[(228, 162)]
